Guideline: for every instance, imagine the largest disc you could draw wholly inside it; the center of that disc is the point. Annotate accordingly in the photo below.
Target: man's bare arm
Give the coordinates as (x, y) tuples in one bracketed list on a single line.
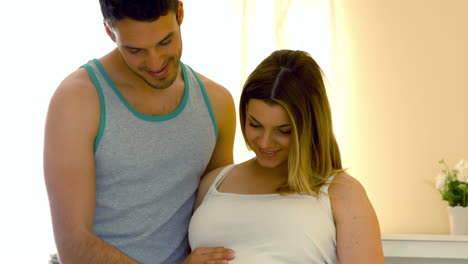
[(71, 128), (225, 113)]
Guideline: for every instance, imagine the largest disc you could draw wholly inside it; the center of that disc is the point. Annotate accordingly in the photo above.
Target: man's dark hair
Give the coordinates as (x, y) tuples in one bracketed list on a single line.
[(141, 10)]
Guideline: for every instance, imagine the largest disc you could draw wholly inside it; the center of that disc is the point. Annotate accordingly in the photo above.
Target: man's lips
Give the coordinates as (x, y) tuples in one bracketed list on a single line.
[(159, 74)]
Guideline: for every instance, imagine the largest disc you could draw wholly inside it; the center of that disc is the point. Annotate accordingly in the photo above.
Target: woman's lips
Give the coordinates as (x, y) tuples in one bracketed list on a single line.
[(267, 153)]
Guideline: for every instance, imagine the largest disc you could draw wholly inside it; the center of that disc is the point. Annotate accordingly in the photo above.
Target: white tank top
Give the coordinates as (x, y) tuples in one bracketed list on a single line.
[(266, 228)]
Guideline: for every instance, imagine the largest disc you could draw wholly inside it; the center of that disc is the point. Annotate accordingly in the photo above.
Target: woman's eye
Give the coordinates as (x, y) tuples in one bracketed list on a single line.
[(285, 132), (254, 125)]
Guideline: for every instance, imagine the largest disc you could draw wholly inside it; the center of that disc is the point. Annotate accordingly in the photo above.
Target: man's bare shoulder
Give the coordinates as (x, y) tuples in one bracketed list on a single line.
[(75, 101), (223, 107), (220, 99), (78, 83), (76, 89), (215, 90)]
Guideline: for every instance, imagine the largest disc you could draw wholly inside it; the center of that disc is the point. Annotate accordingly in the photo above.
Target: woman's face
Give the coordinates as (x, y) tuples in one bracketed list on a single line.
[(268, 132)]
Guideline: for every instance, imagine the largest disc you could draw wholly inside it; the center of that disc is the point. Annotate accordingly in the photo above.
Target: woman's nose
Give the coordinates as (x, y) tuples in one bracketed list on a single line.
[(265, 140)]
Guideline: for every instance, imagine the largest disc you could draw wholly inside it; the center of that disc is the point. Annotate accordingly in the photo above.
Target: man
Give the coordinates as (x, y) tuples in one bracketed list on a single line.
[(127, 139)]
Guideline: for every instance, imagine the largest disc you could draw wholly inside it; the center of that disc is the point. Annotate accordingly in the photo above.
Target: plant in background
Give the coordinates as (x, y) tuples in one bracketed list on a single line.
[(452, 183)]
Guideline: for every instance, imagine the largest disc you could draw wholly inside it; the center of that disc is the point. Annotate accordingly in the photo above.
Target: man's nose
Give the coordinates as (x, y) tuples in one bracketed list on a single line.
[(154, 61)]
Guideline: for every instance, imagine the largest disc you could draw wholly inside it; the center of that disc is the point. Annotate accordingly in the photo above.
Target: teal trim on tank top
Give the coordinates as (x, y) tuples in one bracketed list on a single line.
[(102, 123), (207, 102), (142, 116)]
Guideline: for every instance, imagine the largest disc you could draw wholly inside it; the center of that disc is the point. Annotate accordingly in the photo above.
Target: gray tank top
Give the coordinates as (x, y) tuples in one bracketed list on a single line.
[(148, 169)]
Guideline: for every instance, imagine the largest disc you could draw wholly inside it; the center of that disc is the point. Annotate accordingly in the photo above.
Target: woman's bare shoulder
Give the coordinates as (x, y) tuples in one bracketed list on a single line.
[(205, 184), (345, 185)]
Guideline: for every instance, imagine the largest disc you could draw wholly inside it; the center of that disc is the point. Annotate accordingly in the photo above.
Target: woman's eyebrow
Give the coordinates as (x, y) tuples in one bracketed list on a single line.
[(253, 118)]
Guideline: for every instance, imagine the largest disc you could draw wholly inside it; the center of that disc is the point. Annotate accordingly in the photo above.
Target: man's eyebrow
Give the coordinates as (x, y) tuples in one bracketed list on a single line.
[(164, 39), (253, 118), (130, 47)]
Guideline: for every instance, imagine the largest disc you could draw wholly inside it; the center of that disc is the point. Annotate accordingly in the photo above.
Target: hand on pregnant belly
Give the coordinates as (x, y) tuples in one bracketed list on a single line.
[(212, 255)]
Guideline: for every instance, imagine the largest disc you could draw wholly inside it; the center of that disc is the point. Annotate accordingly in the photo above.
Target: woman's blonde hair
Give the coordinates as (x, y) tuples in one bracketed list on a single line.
[(292, 79)]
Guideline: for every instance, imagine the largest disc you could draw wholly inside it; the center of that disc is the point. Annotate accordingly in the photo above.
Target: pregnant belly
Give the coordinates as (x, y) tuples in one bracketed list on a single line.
[(245, 256)]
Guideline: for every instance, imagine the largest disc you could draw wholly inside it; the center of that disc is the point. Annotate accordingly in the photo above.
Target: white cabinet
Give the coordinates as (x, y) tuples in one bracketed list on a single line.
[(425, 249)]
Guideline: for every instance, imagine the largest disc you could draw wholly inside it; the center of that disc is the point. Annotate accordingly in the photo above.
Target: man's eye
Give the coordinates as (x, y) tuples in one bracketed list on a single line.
[(134, 51), (165, 42)]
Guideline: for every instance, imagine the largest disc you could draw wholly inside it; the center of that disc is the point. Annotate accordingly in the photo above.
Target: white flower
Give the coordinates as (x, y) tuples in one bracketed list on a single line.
[(452, 182), (462, 169), (440, 181)]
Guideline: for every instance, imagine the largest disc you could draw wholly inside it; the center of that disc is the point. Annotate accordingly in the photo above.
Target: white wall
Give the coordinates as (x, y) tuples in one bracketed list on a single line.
[(403, 67), (40, 46)]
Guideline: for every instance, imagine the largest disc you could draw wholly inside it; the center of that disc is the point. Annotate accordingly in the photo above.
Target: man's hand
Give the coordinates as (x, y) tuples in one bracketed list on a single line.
[(210, 255)]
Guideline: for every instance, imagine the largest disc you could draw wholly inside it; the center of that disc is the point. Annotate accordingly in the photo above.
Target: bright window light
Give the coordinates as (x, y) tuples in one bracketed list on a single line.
[(45, 41)]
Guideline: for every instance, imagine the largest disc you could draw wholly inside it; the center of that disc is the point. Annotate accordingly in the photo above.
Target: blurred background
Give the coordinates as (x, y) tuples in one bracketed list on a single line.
[(397, 82)]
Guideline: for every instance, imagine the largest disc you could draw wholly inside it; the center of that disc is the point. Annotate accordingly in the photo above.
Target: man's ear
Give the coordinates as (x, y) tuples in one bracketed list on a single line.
[(180, 12), (109, 31)]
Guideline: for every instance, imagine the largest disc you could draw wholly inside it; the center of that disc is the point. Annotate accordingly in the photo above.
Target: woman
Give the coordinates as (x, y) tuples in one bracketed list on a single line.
[(293, 202)]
